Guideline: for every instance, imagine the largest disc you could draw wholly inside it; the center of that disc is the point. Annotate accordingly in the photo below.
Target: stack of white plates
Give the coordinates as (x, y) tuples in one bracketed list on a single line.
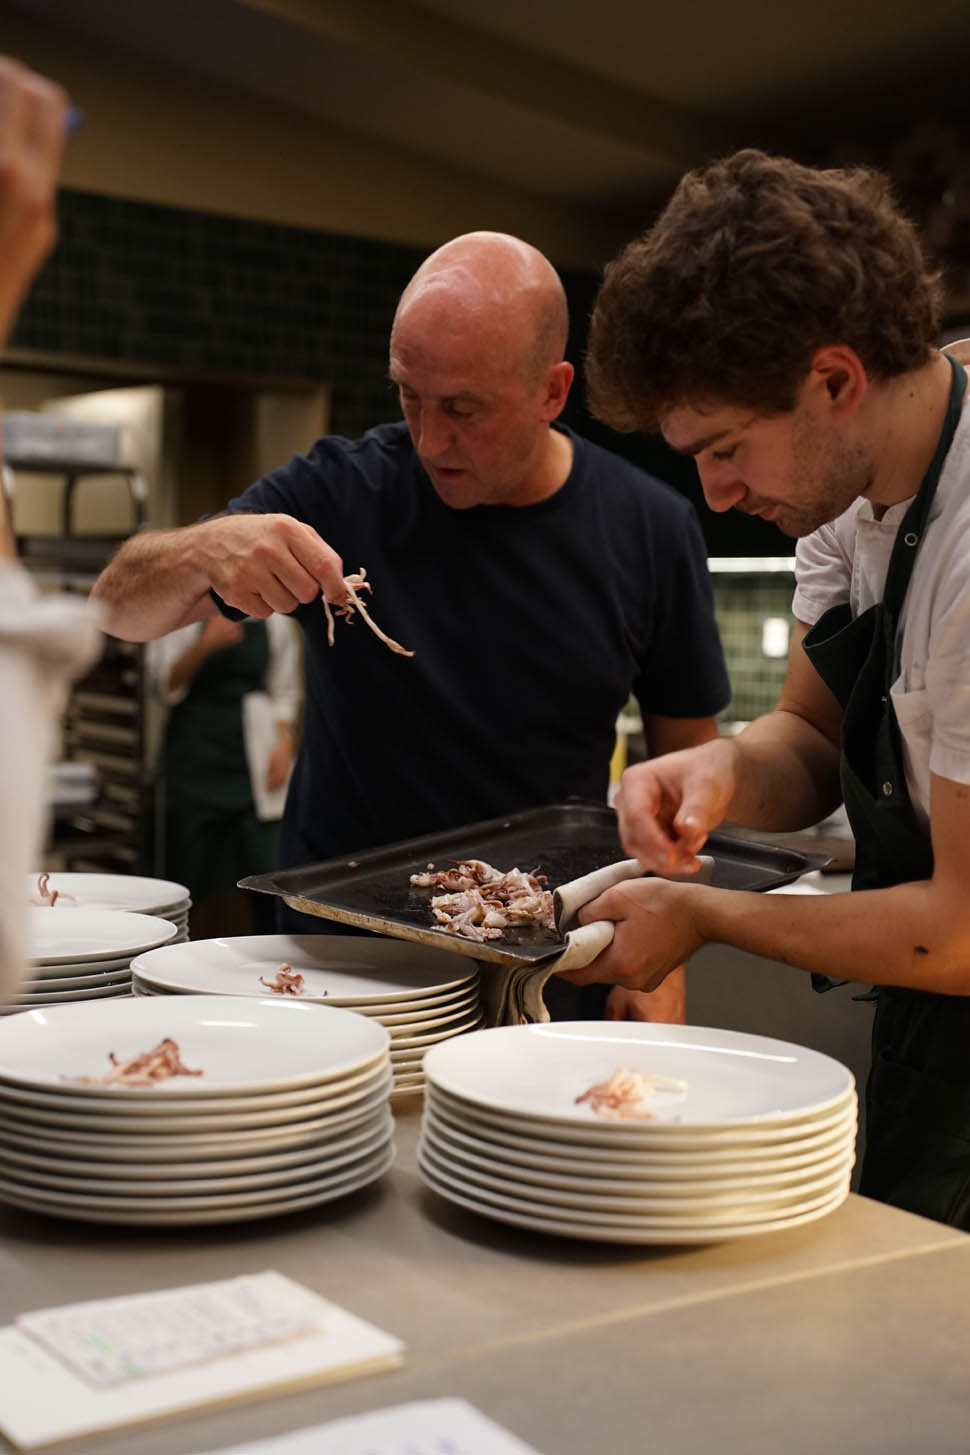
[(421, 995), (290, 1110), (84, 954), (759, 1135), (162, 897)]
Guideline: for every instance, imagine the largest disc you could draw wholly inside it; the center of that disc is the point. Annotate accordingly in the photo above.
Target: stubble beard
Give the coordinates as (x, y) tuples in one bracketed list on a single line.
[(829, 476)]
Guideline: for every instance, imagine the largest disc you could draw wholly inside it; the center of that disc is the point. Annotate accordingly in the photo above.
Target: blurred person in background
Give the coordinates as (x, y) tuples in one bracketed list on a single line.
[(43, 642), (538, 579), (233, 693)]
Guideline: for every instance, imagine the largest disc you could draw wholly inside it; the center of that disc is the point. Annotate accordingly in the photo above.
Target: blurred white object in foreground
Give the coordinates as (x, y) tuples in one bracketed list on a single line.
[(45, 641)]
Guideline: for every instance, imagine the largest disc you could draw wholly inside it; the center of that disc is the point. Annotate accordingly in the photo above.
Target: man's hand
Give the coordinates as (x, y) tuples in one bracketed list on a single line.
[(160, 579), (265, 563), (666, 1004), (32, 121), (655, 932), (667, 806)]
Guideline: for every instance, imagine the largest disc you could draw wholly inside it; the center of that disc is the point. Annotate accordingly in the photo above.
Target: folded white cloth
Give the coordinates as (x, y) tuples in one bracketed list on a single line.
[(512, 994), (44, 642)]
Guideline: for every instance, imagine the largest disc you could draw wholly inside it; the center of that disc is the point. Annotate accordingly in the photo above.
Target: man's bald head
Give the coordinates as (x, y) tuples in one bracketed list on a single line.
[(501, 289)]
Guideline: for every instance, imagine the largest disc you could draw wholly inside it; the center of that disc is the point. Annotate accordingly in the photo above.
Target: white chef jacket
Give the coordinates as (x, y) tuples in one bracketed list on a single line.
[(44, 642), (847, 561)]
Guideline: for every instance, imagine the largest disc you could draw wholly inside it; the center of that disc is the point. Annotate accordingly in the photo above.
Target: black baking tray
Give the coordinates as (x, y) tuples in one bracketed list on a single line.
[(563, 841)]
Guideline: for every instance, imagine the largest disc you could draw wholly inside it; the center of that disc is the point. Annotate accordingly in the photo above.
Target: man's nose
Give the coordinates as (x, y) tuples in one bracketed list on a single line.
[(720, 483), (434, 432)]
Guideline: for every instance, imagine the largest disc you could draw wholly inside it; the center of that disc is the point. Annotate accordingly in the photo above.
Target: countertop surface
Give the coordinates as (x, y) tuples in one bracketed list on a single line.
[(849, 1334)]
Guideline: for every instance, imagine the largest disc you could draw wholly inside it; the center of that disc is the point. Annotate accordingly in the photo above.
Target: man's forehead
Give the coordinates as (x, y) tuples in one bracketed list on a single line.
[(691, 428)]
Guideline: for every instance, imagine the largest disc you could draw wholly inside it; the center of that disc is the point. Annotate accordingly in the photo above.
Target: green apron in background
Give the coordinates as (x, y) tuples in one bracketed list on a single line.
[(918, 1094), (212, 835)]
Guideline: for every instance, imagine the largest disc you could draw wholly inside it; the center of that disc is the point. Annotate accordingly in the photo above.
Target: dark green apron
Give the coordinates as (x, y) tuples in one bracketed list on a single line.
[(212, 835), (918, 1094)]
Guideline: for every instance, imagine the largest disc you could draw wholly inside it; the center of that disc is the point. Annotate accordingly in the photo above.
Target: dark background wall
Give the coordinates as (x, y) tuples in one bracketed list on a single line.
[(164, 287)]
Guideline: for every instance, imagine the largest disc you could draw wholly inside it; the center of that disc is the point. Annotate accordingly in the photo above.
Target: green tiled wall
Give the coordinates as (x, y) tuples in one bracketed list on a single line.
[(742, 602), (165, 286)]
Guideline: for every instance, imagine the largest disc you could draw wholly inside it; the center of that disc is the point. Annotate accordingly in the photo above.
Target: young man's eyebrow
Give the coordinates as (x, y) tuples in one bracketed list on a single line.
[(702, 444)]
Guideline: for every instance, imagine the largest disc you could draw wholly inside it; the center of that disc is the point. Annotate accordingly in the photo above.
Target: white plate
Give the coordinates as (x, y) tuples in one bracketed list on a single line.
[(93, 1202), (112, 891), (123, 1108), (47, 984), (342, 969), (73, 935), (40, 998), (688, 1201), (241, 1045), (467, 1022), (732, 1079), (422, 1020), (325, 1164), (63, 1157), (710, 1221), (630, 1233), (652, 1136), (635, 1181), (382, 1011), (193, 1145), (589, 1157), (712, 1217), (226, 1213), (193, 1120), (83, 970)]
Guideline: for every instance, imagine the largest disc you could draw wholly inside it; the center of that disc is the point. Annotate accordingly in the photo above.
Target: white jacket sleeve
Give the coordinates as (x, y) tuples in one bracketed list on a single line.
[(45, 641), (161, 656), (284, 678)]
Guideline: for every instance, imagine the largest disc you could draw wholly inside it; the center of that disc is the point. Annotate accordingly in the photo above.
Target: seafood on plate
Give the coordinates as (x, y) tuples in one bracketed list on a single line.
[(481, 902), (627, 1094), (286, 981), (355, 583), (146, 1069), (47, 896)]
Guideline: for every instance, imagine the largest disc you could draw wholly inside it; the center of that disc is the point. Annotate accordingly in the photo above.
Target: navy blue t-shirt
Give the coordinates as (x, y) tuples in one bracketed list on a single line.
[(530, 626)]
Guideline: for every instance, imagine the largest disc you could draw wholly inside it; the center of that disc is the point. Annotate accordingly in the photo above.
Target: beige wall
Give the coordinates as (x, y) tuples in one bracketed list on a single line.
[(153, 136)]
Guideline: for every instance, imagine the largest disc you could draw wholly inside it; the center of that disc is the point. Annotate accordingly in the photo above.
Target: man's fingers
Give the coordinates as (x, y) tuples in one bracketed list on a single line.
[(266, 563), (44, 121), (323, 565)]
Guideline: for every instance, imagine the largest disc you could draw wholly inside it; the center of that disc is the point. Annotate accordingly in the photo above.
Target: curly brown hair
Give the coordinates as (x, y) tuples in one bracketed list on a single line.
[(754, 264)]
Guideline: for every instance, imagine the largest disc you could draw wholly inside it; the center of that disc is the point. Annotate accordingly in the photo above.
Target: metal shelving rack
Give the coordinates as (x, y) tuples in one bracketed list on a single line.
[(105, 721)]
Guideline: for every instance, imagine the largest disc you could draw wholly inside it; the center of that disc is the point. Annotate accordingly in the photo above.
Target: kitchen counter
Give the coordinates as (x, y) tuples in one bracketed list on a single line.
[(845, 1334)]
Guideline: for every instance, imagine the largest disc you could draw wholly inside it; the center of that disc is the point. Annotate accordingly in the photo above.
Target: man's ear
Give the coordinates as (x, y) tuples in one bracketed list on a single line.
[(837, 379), (559, 378)]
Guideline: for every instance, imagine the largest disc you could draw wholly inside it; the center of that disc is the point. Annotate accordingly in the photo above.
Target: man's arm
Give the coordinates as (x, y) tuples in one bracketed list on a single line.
[(781, 773), (160, 580), (32, 115), (915, 935)]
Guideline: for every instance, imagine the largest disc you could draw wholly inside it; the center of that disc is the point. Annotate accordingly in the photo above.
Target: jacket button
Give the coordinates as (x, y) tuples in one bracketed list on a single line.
[(887, 789)]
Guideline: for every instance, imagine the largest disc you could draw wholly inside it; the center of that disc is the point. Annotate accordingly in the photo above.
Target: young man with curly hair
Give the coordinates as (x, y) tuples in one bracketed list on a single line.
[(779, 325)]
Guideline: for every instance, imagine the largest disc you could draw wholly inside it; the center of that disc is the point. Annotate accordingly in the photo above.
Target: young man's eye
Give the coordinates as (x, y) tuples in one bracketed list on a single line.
[(723, 454)]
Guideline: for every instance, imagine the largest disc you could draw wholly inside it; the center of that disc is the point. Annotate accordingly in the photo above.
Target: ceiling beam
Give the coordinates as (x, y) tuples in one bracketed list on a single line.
[(413, 35)]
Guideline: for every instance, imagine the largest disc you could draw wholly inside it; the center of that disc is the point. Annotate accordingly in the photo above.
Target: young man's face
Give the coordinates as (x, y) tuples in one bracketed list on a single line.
[(795, 469)]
